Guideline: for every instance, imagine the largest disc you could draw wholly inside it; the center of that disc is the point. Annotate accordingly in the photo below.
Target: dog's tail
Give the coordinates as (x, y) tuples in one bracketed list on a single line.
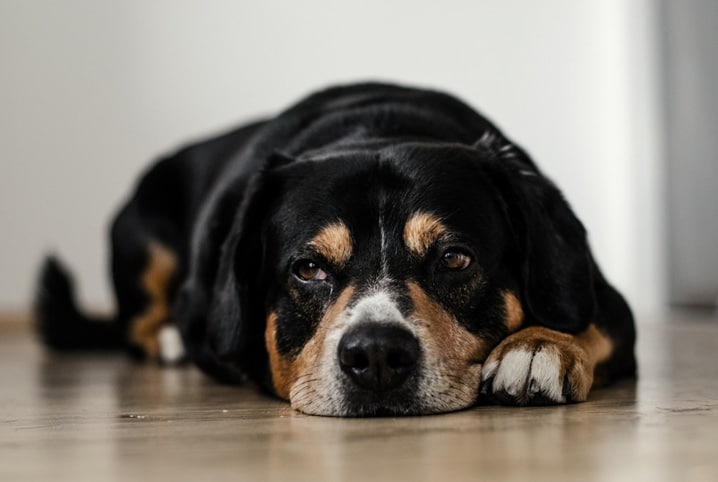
[(60, 323)]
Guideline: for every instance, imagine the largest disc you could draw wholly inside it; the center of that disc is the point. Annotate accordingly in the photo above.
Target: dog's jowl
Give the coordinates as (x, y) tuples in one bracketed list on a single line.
[(372, 250)]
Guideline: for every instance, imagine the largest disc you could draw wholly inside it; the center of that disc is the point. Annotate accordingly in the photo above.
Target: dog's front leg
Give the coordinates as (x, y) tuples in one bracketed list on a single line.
[(538, 366)]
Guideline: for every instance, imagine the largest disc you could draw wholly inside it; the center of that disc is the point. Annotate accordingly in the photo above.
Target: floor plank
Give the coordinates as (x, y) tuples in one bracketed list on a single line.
[(102, 417)]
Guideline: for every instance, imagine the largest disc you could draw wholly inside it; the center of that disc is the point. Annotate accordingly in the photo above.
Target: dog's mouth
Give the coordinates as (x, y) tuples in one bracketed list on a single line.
[(408, 402), (423, 393), (399, 401)]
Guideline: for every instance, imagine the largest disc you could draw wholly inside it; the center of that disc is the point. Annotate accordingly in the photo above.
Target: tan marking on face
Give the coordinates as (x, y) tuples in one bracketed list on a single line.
[(579, 354), (281, 367), (334, 242), (155, 282), (422, 231), (286, 372), (457, 348), (514, 311)]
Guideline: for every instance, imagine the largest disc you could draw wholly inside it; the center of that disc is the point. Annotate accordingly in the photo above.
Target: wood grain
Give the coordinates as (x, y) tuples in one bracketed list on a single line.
[(102, 417)]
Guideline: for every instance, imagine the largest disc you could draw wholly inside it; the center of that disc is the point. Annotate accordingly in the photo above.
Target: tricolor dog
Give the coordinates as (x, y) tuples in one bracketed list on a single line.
[(372, 250)]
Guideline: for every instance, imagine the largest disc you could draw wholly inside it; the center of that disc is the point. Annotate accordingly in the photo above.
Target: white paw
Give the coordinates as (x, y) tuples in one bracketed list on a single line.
[(536, 366)]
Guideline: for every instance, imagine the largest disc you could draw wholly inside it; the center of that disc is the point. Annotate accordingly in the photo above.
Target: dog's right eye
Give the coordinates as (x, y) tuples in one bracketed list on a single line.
[(308, 270), (455, 260)]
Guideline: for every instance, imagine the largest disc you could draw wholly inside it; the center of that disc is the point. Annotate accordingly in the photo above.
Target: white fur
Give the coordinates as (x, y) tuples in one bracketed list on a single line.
[(384, 249), (512, 374), (489, 370), (518, 369), (546, 373), (377, 307), (171, 347)]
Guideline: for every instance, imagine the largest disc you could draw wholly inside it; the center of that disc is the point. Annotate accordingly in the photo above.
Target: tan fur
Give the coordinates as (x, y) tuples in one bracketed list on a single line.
[(599, 347), (579, 354), (457, 347), (286, 372), (281, 367), (334, 242), (155, 282), (422, 231), (514, 312)]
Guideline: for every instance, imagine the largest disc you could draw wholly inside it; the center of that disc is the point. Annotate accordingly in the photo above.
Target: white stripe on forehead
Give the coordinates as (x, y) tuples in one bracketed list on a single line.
[(384, 247)]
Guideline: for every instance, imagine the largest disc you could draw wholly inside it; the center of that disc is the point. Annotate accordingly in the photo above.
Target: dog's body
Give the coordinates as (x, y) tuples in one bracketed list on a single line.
[(372, 250)]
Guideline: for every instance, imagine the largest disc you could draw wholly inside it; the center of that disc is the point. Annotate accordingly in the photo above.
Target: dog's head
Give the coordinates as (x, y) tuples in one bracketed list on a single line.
[(363, 282)]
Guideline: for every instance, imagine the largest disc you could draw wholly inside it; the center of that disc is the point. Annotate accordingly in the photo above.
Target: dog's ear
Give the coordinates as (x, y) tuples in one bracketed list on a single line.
[(218, 309), (555, 260)]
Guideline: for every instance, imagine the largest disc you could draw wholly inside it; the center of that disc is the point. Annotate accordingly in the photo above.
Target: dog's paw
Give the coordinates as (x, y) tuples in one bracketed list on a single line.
[(171, 348), (537, 366)]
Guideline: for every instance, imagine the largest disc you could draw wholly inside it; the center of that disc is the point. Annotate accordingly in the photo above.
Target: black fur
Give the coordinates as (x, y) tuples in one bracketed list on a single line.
[(61, 324), (237, 210)]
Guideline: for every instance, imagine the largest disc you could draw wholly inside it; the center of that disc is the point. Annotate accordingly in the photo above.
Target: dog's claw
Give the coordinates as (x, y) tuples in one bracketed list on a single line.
[(566, 389), (486, 386), (534, 387)]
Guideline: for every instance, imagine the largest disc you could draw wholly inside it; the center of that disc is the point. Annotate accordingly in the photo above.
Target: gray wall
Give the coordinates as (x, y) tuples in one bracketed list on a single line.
[(91, 90), (691, 95)]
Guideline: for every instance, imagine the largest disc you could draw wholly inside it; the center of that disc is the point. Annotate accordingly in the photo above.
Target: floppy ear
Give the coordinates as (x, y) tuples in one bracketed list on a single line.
[(556, 263), (218, 309)]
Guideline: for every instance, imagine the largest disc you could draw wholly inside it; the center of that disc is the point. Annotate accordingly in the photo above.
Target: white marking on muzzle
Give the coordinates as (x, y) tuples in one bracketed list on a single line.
[(377, 307)]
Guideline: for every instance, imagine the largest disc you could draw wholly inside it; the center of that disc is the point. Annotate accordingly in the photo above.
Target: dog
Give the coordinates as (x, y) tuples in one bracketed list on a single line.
[(373, 250)]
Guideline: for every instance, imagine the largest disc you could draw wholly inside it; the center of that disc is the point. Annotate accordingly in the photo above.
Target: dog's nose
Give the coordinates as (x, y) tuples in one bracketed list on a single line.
[(377, 356)]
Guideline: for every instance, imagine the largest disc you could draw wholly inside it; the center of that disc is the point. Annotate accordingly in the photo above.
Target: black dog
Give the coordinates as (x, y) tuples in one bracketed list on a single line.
[(372, 250)]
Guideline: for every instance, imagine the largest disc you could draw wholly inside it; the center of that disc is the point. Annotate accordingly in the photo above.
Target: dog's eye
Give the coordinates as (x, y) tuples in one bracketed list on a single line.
[(455, 260), (308, 270)]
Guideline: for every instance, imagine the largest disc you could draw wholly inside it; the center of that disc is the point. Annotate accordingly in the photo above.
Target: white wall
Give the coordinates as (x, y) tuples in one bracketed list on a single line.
[(92, 90)]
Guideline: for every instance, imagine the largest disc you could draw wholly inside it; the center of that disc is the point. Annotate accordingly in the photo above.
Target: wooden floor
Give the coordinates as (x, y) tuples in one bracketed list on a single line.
[(101, 417)]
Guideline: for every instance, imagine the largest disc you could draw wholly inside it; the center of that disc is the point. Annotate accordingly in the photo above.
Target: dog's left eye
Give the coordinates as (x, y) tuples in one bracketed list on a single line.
[(308, 270), (455, 260)]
